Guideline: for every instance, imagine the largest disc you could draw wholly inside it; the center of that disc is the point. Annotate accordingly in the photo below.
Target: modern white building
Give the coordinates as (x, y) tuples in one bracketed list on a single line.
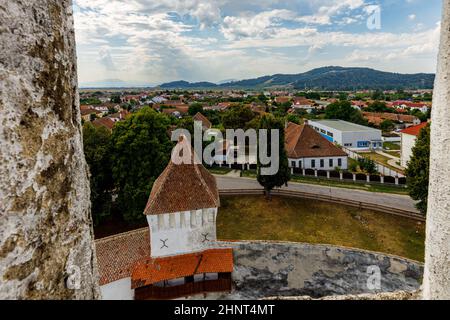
[(306, 149), (408, 140), (348, 135)]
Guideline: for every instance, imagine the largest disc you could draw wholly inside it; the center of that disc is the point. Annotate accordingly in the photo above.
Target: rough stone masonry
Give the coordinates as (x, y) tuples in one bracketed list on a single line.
[(46, 246)]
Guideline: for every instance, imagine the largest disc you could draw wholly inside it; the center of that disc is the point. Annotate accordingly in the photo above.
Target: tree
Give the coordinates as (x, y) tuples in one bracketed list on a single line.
[(417, 170), (387, 125), (367, 165), (343, 110), (195, 108), (96, 142), (140, 150), (93, 116), (378, 106), (115, 99), (237, 117), (283, 175)]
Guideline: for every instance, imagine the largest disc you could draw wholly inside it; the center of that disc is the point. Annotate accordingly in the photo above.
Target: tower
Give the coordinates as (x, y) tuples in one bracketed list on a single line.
[(185, 257)]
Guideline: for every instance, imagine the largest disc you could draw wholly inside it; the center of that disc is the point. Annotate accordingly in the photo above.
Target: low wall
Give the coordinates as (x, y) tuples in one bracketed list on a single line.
[(264, 269)]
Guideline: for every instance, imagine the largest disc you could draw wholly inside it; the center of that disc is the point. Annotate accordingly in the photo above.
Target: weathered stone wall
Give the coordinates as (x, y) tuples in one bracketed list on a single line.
[(45, 225), (436, 283), (265, 269)]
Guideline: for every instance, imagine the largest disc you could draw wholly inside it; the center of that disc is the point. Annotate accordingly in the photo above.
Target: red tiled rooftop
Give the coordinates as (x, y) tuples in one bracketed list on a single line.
[(116, 255), (414, 130), (152, 270)]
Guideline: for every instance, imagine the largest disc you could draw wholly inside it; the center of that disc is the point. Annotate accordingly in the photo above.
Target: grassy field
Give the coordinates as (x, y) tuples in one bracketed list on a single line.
[(391, 145), (340, 184), (301, 220)]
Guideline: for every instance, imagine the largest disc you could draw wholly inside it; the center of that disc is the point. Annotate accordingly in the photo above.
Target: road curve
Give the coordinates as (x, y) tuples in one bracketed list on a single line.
[(386, 199)]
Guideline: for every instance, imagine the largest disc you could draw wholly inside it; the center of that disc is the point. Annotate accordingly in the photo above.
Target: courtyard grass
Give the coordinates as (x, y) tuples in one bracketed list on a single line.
[(302, 220), (380, 159)]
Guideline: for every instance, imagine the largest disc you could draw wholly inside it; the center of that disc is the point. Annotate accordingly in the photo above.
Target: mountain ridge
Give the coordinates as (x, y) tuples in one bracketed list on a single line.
[(324, 78)]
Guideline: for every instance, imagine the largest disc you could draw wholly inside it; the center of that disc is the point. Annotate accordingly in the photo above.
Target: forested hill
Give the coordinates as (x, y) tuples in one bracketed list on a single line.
[(326, 78)]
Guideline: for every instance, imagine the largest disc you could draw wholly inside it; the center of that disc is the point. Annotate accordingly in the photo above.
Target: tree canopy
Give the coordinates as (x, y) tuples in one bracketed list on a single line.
[(283, 175), (96, 143), (237, 117), (343, 110), (418, 168), (140, 150)]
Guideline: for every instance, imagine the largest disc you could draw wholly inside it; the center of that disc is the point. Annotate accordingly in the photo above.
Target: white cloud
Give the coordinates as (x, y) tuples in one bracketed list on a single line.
[(412, 17), (157, 41)]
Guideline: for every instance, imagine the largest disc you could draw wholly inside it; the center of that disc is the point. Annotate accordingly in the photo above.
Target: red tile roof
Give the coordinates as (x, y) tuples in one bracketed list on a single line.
[(205, 121), (414, 130), (302, 141), (152, 270), (116, 255), (183, 187), (104, 122)]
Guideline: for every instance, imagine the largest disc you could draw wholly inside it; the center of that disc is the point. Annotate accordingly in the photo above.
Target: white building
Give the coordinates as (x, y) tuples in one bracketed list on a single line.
[(408, 139), (349, 135), (306, 149)]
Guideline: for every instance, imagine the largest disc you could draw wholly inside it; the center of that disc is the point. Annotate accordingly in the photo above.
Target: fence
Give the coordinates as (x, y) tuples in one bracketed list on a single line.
[(350, 176), (313, 196)]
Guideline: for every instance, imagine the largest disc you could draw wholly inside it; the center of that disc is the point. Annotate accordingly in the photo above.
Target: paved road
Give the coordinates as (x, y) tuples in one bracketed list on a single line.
[(385, 199)]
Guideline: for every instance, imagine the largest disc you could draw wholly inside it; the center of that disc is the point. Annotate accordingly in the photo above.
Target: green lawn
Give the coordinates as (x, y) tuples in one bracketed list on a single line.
[(391, 146), (380, 159), (302, 220)]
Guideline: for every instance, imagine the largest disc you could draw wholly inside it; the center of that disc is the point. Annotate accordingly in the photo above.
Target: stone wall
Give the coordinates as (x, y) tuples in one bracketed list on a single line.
[(264, 269), (46, 247)]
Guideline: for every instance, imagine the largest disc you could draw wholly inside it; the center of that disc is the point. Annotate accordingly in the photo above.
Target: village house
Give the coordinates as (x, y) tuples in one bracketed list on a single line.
[(404, 105), (408, 139), (301, 103), (206, 124), (307, 149), (377, 118), (178, 254)]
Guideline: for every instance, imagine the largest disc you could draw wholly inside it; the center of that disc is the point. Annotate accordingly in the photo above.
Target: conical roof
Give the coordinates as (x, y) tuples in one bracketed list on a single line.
[(183, 187)]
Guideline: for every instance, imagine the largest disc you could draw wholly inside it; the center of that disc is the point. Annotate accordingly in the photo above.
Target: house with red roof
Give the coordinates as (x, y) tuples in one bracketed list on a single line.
[(408, 139), (308, 149)]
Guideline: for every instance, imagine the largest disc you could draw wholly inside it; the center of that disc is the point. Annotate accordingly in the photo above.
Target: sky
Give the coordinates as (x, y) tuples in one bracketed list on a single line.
[(157, 41)]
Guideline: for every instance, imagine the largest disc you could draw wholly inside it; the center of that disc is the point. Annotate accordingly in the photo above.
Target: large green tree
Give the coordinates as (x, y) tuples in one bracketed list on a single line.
[(237, 117), (140, 150), (343, 110), (283, 175), (96, 142), (418, 168)]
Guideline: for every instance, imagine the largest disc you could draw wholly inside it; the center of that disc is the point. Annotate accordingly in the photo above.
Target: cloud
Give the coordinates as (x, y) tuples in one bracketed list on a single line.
[(412, 17), (158, 41)]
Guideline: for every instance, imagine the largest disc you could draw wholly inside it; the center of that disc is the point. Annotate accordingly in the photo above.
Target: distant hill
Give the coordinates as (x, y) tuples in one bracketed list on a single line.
[(326, 78), (187, 85)]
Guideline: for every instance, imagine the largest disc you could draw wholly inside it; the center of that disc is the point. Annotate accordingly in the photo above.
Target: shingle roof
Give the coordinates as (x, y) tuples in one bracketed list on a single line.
[(302, 141), (414, 130), (105, 122), (116, 255), (205, 121), (152, 270), (183, 187)]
